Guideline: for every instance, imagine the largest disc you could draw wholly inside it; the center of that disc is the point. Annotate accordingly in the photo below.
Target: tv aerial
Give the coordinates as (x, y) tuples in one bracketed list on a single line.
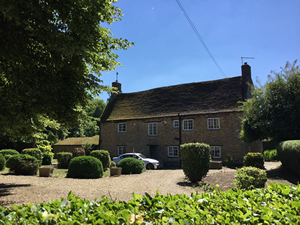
[(242, 58)]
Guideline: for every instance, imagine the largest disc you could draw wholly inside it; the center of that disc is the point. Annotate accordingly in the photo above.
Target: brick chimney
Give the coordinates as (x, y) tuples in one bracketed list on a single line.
[(246, 81), (117, 85)]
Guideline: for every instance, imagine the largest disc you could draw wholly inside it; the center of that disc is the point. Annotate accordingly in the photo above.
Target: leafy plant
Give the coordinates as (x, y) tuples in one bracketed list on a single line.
[(277, 204), (35, 152), (271, 155), (87, 146), (85, 167), (228, 162), (289, 155), (78, 152), (113, 164), (250, 177), (8, 152), (195, 159), (47, 159), (103, 156), (254, 159), (131, 166), (2, 162), (64, 159), (23, 164)]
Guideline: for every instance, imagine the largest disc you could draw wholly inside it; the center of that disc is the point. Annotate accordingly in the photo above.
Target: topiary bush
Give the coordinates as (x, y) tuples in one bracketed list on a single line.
[(63, 159), (23, 164), (35, 152), (8, 152), (85, 167), (113, 164), (47, 159), (103, 156), (270, 155), (2, 162), (195, 159), (250, 178), (78, 152), (254, 159), (289, 155), (131, 166)]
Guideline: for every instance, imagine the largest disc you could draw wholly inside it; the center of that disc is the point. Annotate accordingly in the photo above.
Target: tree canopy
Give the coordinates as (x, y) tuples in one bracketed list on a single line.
[(51, 58), (274, 110)]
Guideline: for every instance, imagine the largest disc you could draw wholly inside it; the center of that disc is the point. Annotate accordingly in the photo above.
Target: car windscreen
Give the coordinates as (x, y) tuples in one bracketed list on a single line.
[(142, 156)]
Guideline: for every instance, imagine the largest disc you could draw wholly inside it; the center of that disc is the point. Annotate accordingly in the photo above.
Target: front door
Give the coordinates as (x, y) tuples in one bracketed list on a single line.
[(153, 151)]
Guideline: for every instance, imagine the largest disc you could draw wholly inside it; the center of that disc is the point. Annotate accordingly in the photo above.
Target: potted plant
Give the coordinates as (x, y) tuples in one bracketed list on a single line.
[(114, 170)]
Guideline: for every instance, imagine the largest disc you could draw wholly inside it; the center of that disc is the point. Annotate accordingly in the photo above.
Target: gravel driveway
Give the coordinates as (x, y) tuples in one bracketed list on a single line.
[(18, 190)]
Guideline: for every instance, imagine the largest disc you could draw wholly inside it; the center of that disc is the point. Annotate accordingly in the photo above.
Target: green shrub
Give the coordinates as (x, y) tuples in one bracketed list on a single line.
[(131, 166), (250, 178), (195, 159), (271, 155), (103, 156), (35, 152), (2, 162), (63, 159), (78, 152), (112, 164), (47, 159), (23, 164), (85, 167), (254, 159), (228, 162), (8, 152), (289, 155)]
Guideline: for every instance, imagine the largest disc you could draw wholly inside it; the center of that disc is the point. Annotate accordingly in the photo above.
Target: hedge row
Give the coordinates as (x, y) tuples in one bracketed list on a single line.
[(277, 204), (289, 155)]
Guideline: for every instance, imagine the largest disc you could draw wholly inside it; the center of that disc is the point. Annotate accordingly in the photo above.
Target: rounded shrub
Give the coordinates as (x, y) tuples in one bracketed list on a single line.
[(289, 155), (271, 155), (47, 159), (250, 178), (103, 156), (64, 159), (254, 159), (85, 167), (2, 162), (23, 164), (195, 159), (78, 152), (8, 152), (131, 166), (35, 152)]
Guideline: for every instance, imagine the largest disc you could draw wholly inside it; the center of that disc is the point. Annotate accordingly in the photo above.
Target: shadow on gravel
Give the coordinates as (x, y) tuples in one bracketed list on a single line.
[(282, 173), (5, 188)]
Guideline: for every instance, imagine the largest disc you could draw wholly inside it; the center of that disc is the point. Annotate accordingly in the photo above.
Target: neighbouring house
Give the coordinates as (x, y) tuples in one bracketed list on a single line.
[(157, 121), (69, 144)]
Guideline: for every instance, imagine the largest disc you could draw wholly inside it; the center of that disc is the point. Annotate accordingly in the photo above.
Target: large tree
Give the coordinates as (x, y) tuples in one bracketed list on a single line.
[(274, 110), (51, 57)]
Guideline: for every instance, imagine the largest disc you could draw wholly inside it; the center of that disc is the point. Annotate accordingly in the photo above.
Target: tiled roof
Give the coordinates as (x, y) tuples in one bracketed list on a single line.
[(192, 98), (79, 141)]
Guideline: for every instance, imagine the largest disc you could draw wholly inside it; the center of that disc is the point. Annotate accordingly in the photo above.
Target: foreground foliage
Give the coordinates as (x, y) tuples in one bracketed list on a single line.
[(278, 204)]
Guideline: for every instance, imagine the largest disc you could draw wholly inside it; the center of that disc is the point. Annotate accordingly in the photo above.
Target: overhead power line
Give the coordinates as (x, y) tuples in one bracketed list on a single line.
[(199, 37)]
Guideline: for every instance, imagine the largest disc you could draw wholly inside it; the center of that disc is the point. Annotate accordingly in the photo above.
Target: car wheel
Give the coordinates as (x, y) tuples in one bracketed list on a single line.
[(149, 166)]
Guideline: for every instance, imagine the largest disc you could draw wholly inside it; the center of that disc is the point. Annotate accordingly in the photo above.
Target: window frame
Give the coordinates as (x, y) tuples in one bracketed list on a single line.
[(213, 119), (152, 130), (177, 122), (123, 151), (187, 120), (172, 149), (213, 149), (120, 130)]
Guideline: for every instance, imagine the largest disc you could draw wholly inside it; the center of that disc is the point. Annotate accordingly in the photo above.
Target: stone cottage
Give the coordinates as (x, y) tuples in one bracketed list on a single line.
[(157, 121)]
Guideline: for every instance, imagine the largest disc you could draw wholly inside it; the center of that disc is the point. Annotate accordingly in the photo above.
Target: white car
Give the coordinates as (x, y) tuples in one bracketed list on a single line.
[(149, 163)]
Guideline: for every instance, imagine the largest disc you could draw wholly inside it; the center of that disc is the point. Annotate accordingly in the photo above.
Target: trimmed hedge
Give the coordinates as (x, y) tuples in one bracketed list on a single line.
[(250, 178), (255, 159), (2, 162), (64, 159), (277, 204), (8, 152), (103, 156), (85, 167), (131, 166), (289, 155), (47, 159), (195, 159), (35, 152), (23, 164)]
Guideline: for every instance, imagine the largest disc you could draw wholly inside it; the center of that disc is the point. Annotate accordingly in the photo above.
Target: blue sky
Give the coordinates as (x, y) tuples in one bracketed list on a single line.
[(168, 52)]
